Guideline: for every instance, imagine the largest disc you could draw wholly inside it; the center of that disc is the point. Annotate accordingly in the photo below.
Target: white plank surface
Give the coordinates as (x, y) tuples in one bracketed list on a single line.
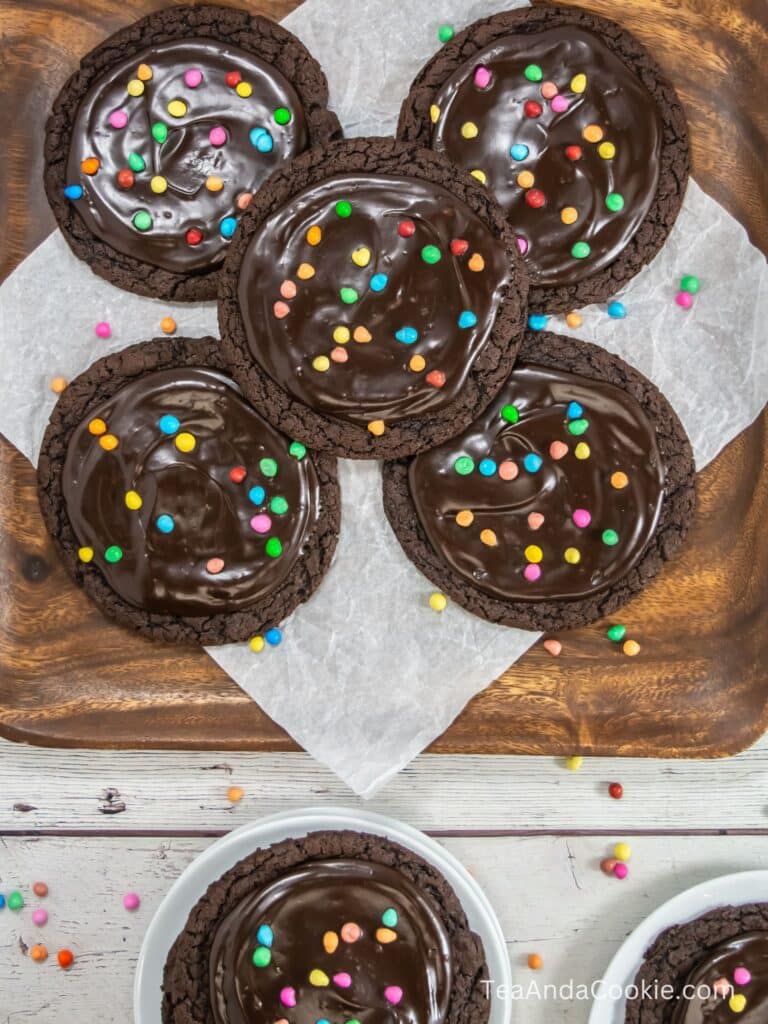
[(549, 894), (166, 792)]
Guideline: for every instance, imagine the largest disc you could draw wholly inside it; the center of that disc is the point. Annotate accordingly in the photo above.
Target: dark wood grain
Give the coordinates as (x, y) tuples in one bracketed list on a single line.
[(67, 677)]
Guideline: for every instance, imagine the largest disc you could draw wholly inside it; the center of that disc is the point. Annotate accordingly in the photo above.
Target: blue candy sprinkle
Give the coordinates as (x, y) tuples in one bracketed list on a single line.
[(262, 140), (165, 524), (264, 936), (537, 321), (2, 901), (519, 151), (574, 410), (169, 424), (322, 1021), (617, 310), (408, 335), (379, 282), (487, 467), (257, 496), (532, 462), (467, 319), (73, 192), (273, 636), (228, 227)]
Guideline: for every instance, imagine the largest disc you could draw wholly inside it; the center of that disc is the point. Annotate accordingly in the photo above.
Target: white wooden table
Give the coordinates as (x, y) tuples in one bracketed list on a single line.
[(94, 825)]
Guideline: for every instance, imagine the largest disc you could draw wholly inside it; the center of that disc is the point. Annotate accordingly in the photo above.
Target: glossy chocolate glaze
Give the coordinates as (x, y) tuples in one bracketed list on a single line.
[(300, 907), (620, 438), (168, 572), (614, 99), (187, 158), (750, 951), (375, 381)]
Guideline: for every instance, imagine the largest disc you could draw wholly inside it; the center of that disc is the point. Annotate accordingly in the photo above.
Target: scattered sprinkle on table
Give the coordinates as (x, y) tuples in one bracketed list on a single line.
[(103, 329), (39, 917), (235, 794), (622, 851), (438, 602), (631, 648), (445, 33), (616, 790), (573, 764), (38, 953), (40, 889), (535, 962), (554, 647), (58, 385), (131, 901), (66, 958), (607, 864), (168, 325), (620, 870)]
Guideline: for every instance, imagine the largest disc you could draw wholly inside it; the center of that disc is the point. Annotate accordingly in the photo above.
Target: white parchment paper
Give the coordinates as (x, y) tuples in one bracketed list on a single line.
[(367, 675)]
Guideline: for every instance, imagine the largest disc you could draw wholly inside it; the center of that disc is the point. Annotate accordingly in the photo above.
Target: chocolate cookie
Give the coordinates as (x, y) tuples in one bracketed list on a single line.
[(567, 118), (713, 970), (178, 509), (337, 926), (373, 301), (157, 143), (557, 504)]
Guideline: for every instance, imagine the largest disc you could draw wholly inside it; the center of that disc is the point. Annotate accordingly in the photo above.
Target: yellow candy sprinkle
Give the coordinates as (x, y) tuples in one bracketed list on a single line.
[(631, 648), (244, 89), (108, 442), (573, 320), (489, 538), (606, 150), (572, 556), (578, 83), (619, 480), (417, 363), (377, 427), (569, 215), (622, 851), (593, 133), (573, 764), (185, 442), (362, 335), (386, 935), (256, 643), (158, 184), (341, 335), (135, 87), (214, 183), (434, 113), (438, 603), (144, 72), (481, 176), (330, 942), (582, 450), (469, 130), (314, 235), (133, 501), (85, 554), (321, 363), (465, 517), (525, 179), (361, 257), (97, 427), (305, 271), (533, 553), (319, 979), (177, 108), (738, 1002)]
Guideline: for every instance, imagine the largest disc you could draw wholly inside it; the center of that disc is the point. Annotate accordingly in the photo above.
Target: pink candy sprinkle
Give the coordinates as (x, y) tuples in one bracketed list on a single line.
[(684, 299), (559, 104), (288, 996), (482, 77), (131, 901), (582, 518), (39, 917), (620, 870), (343, 980), (118, 119), (508, 469), (281, 310), (339, 354), (532, 572), (558, 449), (554, 647), (217, 136), (193, 78), (288, 290), (742, 976), (102, 330), (244, 200), (522, 244), (350, 932), (722, 987), (535, 519), (214, 565), (393, 994), (261, 523), (548, 90)]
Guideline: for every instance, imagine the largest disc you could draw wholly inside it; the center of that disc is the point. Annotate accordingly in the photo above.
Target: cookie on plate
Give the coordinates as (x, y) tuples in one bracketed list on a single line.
[(157, 143), (557, 504), (338, 926), (373, 300), (181, 512), (571, 123), (713, 970)]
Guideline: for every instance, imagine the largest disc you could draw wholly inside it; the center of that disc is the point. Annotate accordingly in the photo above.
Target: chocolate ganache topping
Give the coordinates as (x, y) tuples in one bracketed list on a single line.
[(168, 146), (553, 493), (565, 135), (185, 498), (730, 983), (370, 297), (341, 941)]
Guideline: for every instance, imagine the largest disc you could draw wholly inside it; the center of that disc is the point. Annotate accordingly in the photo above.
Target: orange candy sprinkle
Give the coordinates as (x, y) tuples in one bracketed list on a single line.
[(417, 363), (573, 320), (525, 179), (465, 517), (40, 889), (108, 442), (593, 133), (314, 235), (235, 794), (362, 335), (97, 427), (330, 942), (476, 262), (144, 72), (90, 165), (167, 325), (377, 428), (58, 384), (535, 962), (385, 936), (66, 958), (489, 538), (631, 648), (305, 271), (38, 954), (619, 480)]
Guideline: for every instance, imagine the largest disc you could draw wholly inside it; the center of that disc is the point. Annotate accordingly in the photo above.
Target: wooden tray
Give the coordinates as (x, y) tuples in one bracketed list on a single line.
[(68, 678)]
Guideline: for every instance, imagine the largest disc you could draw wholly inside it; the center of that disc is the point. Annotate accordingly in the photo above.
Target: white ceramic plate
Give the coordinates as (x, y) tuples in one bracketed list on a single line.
[(746, 887), (171, 915)]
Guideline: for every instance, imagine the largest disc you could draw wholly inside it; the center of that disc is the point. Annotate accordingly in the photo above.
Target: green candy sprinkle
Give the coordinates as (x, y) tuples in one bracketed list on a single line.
[(533, 73), (113, 553), (690, 283), (136, 162), (282, 115), (510, 414), (279, 505), (343, 208), (389, 918), (464, 465), (616, 633), (159, 132), (261, 957), (268, 467), (297, 450), (580, 250), (274, 548), (610, 537), (142, 220), (348, 295), (431, 254), (445, 34), (578, 427), (614, 201), (15, 900)]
